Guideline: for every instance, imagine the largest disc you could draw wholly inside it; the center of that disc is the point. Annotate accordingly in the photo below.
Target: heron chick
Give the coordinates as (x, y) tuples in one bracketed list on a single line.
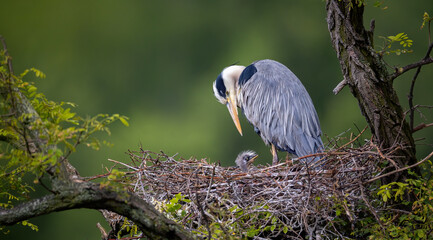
[(275, 102), (245, 159)]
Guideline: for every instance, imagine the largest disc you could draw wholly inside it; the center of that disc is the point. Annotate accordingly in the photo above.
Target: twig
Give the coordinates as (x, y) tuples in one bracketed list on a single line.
[(124, 164), (371, 208), (421, 126), (412, 87), (210, 183), (400, 170), (426, 60), (382, 156), (353, 140), (103, 231), (340, 86), (200, 208)]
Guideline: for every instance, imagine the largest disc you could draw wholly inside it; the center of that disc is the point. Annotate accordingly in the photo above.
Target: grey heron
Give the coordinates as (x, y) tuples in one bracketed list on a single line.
[(245, 159), (275, 102)]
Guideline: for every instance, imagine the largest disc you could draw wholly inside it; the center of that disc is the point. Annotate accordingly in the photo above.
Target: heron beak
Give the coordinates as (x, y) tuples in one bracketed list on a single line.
[(233, 110)]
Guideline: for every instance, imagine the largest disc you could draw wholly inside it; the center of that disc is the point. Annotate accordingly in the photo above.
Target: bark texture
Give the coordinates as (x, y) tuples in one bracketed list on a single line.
[(365, 73)]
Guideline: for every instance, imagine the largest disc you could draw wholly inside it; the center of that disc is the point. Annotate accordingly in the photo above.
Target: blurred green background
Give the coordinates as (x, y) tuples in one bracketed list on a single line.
[(155, 62)]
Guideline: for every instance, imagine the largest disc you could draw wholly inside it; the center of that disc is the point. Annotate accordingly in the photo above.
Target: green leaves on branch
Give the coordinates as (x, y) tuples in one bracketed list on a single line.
[(390, 41), (174, 208), (402, 39), (416, 223), (426, 19), (99, 123), (224, 222), (36, 134), (37, 72), (395, 189), (355, 3), (380, 4)]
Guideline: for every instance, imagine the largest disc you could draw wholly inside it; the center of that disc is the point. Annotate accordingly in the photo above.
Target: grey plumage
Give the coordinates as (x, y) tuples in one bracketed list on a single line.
[(245, 159), (276, 103)]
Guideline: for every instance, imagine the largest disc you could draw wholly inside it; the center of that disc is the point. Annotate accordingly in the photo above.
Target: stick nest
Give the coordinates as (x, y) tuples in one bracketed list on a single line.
[(303, 200)]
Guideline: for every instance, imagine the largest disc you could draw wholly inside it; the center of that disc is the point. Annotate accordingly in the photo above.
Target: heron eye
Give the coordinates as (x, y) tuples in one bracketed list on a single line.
[(227, 93)]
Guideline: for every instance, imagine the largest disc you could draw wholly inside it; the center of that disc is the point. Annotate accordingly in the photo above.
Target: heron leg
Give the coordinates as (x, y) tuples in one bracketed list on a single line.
[(274, 155)]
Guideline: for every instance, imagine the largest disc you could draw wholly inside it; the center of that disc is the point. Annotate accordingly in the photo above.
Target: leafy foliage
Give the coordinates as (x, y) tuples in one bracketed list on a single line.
[(390, 41), (426, 19), (415, 223), (357, 3), (225, 223), (34, 141), (380, 4)]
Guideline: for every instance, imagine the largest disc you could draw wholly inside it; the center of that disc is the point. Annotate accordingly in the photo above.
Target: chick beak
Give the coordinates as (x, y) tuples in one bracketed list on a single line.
[(233, 110), (252, 159)]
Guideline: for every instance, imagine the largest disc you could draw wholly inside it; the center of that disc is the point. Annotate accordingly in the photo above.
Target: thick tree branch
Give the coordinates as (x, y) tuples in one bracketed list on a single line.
[(366, 74), (88, 195)]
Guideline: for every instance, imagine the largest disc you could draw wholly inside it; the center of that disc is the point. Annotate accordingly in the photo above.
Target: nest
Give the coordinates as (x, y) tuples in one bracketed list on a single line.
[(302, 198)]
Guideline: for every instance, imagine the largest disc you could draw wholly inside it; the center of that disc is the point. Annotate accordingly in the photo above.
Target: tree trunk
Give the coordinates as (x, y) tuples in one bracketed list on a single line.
[(365, 73)]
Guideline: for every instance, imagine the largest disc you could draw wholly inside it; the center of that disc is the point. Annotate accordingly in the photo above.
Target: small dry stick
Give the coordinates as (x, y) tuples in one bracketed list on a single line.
[(210, 183), (401, 169), (339, 87), (370, 207), (353, 140), (421, 126)]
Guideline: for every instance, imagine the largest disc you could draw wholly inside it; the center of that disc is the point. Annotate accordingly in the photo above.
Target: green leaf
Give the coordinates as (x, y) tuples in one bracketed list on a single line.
[(124, 121), (174, 200), (252, 232), (420, 233)]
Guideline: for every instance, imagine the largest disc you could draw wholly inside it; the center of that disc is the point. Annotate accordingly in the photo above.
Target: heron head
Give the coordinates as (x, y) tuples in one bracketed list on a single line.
[(225, 90), (245, 159)]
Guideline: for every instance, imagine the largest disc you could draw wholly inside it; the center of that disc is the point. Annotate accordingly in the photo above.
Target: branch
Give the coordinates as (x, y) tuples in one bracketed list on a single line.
[(422, 126), (372, 210), (9, 58), (88, 195), (400, 170), (412, 87), (426, 60), (21, 106), (340, 86)]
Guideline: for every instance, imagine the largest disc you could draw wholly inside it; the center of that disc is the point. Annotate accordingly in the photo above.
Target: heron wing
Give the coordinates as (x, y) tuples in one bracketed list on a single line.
[(277, 104)]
